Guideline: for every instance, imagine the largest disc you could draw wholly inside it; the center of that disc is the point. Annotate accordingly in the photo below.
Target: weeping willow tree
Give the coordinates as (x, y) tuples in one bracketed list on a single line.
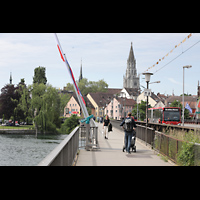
[(45, 107)]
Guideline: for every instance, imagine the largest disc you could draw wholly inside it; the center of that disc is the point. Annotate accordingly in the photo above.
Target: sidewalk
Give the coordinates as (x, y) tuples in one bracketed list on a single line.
[(110, 153)]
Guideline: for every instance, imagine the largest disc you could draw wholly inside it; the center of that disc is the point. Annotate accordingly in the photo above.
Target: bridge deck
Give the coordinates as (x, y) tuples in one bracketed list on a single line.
[(110, 153)]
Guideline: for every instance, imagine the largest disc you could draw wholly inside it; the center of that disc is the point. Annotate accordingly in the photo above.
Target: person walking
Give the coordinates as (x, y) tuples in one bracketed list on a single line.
[(129, 126), (106, 122)]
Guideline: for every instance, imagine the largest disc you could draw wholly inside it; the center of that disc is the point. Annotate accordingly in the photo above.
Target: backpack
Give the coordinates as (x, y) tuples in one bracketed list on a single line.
[(128, 125)]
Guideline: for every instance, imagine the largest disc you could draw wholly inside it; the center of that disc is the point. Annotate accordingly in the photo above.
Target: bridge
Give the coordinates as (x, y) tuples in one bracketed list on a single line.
[(150, 141), (110, 153)]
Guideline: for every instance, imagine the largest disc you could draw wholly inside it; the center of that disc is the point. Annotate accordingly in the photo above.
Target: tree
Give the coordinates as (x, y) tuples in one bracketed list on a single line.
[(64, 98), (40, 75), (86, 86), (8, 101), (45, 107), (24, 104), (141, 110), (69, 125)]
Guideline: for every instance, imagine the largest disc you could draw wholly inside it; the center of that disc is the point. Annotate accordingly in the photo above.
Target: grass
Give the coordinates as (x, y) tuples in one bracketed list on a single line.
[(21, 127)]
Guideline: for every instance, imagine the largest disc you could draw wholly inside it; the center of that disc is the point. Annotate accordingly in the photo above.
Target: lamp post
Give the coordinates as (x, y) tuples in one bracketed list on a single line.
[(147, 79), (183, 109)]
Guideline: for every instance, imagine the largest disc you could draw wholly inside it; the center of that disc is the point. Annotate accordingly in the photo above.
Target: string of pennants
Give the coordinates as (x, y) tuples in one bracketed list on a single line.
[(169, 52)]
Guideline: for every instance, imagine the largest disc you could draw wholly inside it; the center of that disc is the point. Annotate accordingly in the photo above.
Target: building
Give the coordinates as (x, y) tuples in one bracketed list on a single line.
[(118, 108), (130, 79), (154, 100), (130, 93), (99, 101), (72, 107)]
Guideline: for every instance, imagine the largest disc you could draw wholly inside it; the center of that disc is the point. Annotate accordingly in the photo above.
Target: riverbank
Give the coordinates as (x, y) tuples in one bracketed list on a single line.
[(23, 132)]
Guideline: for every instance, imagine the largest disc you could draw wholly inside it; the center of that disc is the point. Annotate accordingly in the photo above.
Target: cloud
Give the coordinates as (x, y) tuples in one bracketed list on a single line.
[(174, 81)]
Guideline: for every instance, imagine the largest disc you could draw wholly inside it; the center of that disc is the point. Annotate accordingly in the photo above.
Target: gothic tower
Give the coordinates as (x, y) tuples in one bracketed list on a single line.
[(10, 78), (131, 80), (81, 72)]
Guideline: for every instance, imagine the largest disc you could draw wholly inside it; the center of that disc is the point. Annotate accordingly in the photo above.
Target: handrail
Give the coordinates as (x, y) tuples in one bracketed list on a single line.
[(69, 146)]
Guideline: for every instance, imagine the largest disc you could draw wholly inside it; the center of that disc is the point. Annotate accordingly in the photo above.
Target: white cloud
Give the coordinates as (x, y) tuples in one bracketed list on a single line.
[(174, 81), (102, 53)]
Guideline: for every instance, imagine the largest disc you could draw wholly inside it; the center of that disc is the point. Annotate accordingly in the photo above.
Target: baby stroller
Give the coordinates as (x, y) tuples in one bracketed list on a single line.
[(132, 143)]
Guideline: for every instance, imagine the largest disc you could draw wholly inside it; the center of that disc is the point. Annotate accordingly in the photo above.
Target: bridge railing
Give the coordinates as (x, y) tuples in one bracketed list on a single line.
[(145, 134), (65, 153), (164, 143)]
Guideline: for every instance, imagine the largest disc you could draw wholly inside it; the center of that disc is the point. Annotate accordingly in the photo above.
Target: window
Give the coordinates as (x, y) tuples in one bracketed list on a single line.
[(67, 110)]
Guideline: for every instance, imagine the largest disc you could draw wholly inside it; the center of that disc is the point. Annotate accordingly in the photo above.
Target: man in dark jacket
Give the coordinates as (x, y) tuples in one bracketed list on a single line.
[(129, 126)]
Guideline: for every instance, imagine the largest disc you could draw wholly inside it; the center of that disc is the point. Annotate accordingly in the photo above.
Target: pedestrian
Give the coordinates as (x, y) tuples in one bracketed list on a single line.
[(106, 122), (129, 126)]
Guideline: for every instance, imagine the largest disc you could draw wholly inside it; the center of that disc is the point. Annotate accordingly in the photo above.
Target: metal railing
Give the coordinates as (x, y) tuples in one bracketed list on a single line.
[(145, 134), (65, 153), (165, 144), (88, 137)]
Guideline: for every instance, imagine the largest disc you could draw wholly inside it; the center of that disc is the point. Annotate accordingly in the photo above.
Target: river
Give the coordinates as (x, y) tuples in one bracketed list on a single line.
[(26, 150)]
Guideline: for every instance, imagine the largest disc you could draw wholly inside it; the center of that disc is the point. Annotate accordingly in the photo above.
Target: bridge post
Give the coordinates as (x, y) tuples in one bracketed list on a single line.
[(87, 136)]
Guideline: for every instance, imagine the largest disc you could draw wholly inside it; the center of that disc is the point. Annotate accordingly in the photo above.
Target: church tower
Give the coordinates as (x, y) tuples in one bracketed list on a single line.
[(10, 78), (81, 72), (131, 80)]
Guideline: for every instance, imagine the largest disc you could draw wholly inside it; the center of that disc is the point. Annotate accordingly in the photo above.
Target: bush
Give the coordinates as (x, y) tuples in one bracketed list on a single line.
[(186, 155), (69, 125)]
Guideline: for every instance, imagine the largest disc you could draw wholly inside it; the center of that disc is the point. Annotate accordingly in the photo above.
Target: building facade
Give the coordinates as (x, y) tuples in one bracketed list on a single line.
[(118, 108), (72, 108), (130, 79)]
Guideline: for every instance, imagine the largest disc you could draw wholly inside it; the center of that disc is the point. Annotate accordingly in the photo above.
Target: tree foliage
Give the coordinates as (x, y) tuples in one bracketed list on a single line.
[(89, 86), (176, 103), (8, 100), (141, 110), (40, 75), (45, 107), (69, 125)]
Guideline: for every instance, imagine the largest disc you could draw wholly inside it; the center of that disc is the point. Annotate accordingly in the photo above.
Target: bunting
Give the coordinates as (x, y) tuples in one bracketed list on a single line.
[(169, 52)]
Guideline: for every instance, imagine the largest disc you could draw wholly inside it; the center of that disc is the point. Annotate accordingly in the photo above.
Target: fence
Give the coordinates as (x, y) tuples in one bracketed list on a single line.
[(146, 134), (165, 144), (65, 153)]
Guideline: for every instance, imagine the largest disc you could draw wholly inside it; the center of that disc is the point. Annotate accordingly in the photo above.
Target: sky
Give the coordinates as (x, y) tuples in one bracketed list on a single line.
[(104, 56)]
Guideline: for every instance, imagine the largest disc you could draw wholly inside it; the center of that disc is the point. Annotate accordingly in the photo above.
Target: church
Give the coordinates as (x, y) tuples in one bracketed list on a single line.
[(130, 79)]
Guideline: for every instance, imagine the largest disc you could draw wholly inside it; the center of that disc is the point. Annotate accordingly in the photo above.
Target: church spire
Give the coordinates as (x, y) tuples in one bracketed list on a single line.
[(131, 80), (81, 72), (10, 78), (131, 57)]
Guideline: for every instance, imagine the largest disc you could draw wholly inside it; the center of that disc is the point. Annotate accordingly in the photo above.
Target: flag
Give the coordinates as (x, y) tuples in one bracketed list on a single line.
[(199, 104), (188, 107), (69, 68), (184, 40)]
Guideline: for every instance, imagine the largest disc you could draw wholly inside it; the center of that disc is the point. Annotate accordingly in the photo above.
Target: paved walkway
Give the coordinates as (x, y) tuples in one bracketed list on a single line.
[(110, 153)]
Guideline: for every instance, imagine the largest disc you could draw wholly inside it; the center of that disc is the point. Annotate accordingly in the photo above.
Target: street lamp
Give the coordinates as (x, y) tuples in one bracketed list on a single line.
[(147, 79), (187, 66)]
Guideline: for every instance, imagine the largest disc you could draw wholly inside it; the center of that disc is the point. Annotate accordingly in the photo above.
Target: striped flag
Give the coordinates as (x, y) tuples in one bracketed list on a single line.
[(71, 74)]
